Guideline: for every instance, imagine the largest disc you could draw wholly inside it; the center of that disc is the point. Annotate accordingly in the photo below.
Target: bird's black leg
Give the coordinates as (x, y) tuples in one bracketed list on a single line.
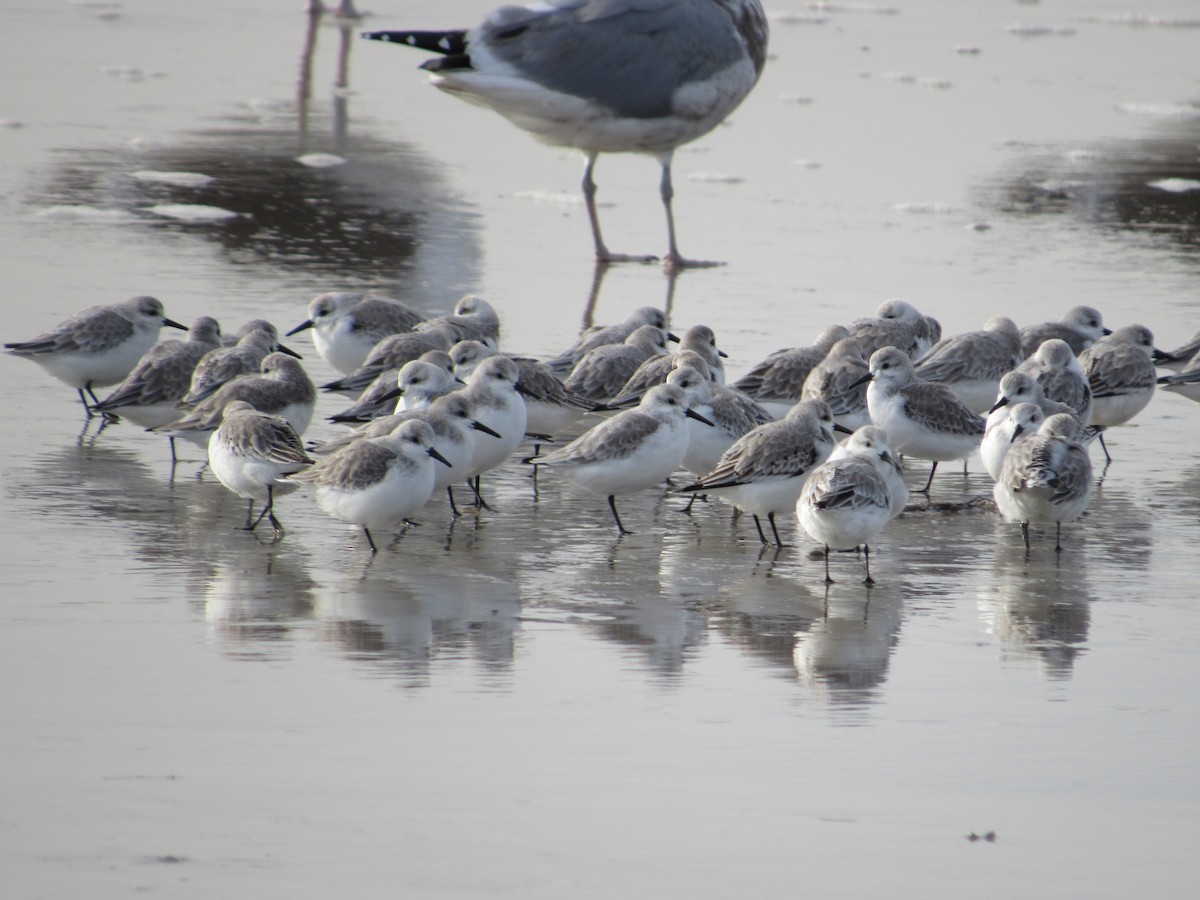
[(774, 530), (761, 535), (612, 504), (370, 542), (929, 483)]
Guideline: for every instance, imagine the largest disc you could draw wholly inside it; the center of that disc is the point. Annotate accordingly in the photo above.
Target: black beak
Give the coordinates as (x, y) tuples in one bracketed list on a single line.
[(842, 429), (433, 452), (479, 426), (1017, 432), (392, 394), (1106, 331), (862, 380), (1003, 401), (303, 326), (674, 338), (288, 351), (722, 354), (522, 390), (171, 323), (692, 414)]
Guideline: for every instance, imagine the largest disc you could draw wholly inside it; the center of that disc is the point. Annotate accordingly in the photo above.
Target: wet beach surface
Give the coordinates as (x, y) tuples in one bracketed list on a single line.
[(525, 705)]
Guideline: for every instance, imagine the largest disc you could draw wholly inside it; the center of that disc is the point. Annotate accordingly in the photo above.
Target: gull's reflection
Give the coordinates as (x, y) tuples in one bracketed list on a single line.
[(1134, 185), (380, 218)]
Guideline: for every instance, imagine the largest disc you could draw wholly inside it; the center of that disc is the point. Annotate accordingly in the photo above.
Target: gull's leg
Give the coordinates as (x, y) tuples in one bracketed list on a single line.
[(674, 260), (603, 254)]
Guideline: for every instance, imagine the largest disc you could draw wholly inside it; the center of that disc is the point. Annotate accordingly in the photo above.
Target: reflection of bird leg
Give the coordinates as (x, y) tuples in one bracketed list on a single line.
[(341, 102), (589, 309)]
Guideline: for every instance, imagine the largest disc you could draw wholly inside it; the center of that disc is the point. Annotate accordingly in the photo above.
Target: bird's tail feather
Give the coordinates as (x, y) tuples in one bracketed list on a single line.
[(447, 43)]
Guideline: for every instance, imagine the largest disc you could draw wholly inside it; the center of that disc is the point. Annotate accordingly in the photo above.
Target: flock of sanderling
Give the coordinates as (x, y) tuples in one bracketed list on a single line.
[(436, 403)]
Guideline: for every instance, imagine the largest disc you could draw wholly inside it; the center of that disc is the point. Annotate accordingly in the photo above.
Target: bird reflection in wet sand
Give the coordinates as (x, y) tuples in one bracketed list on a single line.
[(846, 653), (604, 76)]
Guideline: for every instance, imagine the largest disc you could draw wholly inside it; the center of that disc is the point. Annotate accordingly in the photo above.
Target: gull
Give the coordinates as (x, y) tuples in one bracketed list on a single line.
[(376, 482), (778, 381), (633, 451), (606, 76), (897, 323), (763, 471), (1056, 368), (837, 379), (923, 419), (1046, 478), (1120, 369), (97, 347), (249, 452), (972, 363), (346, 325), (846, 501), (1081, 327), (598, 335)]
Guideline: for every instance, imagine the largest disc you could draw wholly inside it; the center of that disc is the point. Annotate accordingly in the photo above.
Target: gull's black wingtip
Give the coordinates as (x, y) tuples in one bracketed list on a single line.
[(447, 43)]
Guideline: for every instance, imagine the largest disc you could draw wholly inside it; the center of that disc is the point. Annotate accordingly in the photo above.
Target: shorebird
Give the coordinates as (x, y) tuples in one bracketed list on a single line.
[(606, 76), (98, 346)]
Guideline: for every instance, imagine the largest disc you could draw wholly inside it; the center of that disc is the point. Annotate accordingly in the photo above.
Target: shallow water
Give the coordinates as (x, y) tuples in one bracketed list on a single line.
[(527, 706)]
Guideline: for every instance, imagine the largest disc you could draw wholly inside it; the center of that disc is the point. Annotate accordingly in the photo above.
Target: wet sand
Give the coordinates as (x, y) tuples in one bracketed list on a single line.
[(525, 705)]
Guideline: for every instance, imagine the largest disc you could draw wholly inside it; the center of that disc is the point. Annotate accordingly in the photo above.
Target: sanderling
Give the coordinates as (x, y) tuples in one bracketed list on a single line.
[(1018, 387), (1047, 477), (413, 386), (1081, 327), (1181, 357), (922, 418), (249, 452), (777, 382), (872, 437), (897, 323), (845, 502), (837, 379), (600, 78), (763, 471), (493, 391), (150, 395), (452, 418), (223, 364), (392, 353), (97, 347), (473, 319), (230, 340), (1055, 367), (347, 326), (731, 412), (972, 363), (1120, 370), (1004, 425), (551, 408), (602, 373), (598, 335), (376, 482), (1185, 382), (698, 340), (633, 451), (282, 388)]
